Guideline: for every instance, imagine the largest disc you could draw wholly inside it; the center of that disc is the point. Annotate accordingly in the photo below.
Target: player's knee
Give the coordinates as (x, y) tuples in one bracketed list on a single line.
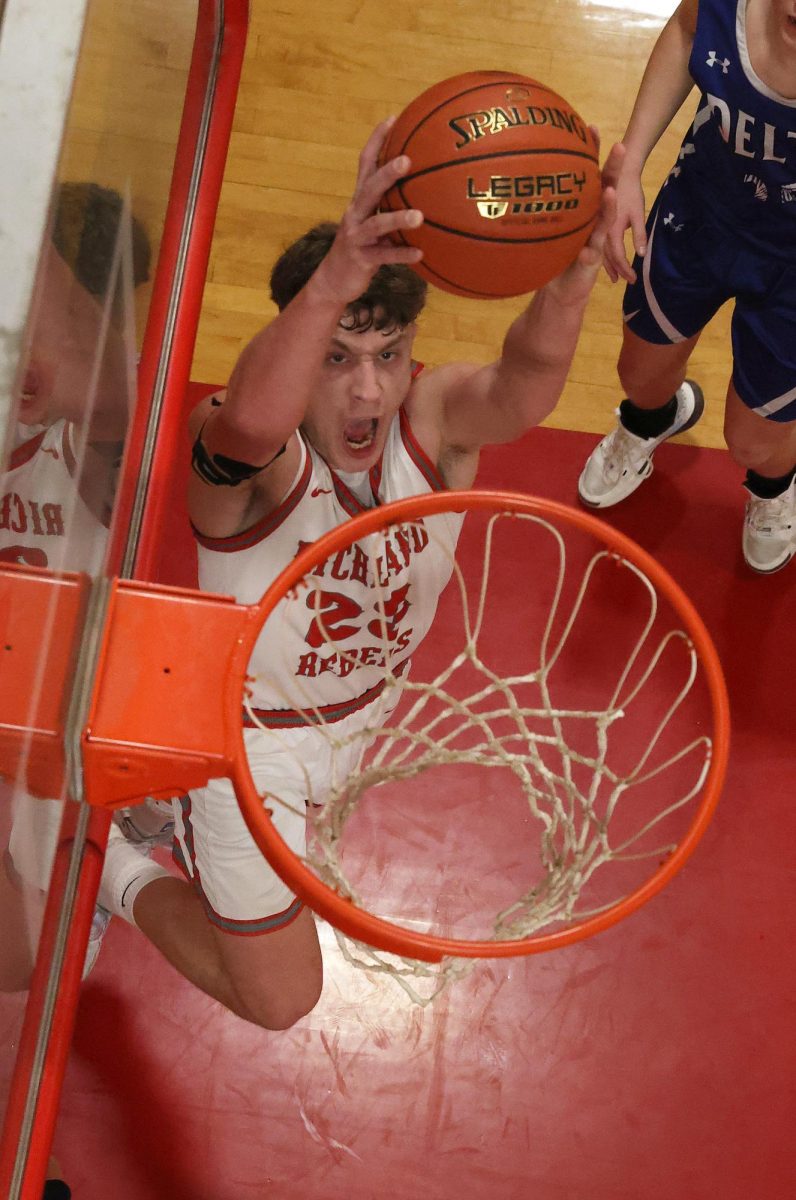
[(747, 451), (278, 1008)]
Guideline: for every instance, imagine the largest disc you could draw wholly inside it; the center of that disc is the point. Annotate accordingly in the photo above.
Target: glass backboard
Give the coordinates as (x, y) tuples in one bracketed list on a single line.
[(72, 398)]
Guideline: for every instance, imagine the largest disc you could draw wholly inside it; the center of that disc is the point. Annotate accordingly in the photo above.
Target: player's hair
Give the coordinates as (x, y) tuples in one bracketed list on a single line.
[(395, 295), (85, 228)]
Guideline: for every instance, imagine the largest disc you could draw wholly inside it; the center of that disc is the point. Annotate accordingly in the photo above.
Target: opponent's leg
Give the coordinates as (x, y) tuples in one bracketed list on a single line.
[(660, 403), (767, 449)]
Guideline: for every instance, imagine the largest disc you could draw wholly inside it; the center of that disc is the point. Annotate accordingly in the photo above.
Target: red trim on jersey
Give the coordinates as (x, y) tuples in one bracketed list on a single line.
[(419, 456), (376, 473), (25, 452), (375, 480), (66, 447), (320, 714), (267, 524), (351, 503)]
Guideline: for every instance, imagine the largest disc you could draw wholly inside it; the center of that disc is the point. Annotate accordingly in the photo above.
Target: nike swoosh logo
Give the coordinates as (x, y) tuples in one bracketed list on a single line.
[(319, 491)]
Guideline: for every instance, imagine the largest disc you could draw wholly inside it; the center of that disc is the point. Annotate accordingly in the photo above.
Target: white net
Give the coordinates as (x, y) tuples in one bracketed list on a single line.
[(536, 764)]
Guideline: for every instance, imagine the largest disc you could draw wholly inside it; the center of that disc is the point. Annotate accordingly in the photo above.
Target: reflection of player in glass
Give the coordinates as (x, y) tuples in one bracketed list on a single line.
[(57, 493), (72, 415), (326, 413), (722, 227)]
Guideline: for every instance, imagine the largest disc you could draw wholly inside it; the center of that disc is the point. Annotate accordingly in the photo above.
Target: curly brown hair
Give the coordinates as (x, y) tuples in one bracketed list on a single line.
[(394, 298)]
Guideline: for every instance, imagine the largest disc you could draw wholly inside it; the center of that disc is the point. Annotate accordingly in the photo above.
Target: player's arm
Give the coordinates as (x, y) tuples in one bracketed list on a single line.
[(500, 402), (664, 86), (274, 378)]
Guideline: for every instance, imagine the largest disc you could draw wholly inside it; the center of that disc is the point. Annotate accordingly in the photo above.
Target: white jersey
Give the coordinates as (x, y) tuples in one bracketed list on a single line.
[(44, 521), (326, 645)]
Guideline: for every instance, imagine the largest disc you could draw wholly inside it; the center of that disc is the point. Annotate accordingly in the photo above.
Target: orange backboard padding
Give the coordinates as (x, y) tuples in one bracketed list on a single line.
[(41, 619), (159, 719)]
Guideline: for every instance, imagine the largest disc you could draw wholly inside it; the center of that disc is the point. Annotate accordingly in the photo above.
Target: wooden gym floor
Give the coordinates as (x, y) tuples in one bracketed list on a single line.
[(318, 76)]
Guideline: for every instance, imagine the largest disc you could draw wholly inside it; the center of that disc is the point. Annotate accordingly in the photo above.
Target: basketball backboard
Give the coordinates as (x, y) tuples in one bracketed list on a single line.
[(106, 152)]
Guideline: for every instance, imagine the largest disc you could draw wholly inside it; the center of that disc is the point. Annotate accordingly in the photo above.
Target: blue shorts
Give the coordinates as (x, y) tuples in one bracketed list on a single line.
[(692, 267)]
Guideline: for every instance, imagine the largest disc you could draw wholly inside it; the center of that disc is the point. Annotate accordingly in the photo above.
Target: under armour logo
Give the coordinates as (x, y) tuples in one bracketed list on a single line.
[(713, 61), (492, 209), (319, 491), (670, 221)]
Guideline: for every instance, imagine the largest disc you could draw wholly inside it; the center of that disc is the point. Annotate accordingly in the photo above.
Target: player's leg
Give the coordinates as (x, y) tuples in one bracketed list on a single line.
[(271, 979), (238, 933), (650, 374), (22, 910), (673, 298), (659, 403), (765, 447), (768, 451), (24, 880), (760, 420)]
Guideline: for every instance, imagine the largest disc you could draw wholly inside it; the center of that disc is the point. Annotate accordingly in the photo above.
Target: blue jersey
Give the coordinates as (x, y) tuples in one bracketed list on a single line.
[(738, 159)]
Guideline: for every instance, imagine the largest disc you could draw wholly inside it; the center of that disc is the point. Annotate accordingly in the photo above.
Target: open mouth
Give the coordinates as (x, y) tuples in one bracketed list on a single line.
[(360, 435), (30, 386)]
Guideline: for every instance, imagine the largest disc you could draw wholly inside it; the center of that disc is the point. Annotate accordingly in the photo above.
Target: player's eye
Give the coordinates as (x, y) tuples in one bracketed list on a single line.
[(388, 355), (336, 357)]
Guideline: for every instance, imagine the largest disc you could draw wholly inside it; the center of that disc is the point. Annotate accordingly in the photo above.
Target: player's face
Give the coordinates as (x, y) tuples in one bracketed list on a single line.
[(784, 14), (364, 380), (61, 377)]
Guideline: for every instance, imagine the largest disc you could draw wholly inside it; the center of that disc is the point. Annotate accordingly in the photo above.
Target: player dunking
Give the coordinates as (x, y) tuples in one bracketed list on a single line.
[(722, 227), (326, 413)]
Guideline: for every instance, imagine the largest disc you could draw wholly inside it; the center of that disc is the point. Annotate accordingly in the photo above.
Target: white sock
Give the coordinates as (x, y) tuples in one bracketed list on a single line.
[(127, 870)]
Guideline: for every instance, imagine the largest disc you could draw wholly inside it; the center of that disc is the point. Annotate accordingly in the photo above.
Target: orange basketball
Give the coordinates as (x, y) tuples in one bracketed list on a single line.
[(507, 176)]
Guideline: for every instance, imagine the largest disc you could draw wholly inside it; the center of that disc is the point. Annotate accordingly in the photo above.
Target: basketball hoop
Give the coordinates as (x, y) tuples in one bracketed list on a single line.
[(597, 694)]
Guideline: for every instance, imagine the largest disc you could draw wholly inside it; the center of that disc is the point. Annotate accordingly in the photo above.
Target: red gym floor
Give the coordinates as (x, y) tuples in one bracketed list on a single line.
[(653, 1062)]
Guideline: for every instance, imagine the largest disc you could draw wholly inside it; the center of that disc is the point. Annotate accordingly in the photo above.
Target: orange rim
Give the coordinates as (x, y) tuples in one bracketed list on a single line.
[(375, 931)]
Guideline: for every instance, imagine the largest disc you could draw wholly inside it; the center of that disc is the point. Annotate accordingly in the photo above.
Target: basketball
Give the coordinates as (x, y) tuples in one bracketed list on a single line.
[(507, 176)]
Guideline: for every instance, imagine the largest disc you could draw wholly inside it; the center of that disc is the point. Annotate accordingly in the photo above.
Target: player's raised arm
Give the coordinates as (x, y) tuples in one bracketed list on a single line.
[(500, 402), (274, 377), (664, 86)]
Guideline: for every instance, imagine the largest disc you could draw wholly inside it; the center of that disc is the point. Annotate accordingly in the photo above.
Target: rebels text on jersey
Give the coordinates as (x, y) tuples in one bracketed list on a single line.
[(365, 608)]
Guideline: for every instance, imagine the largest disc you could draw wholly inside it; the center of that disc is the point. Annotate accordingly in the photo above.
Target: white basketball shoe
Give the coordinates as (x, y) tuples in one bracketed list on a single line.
[(622, 461), (99, 927), (769, 531), (150, 823), (142, 828)]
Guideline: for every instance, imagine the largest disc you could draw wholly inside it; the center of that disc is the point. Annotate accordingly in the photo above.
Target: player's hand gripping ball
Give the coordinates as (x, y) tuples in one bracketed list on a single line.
[(507, 176)]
